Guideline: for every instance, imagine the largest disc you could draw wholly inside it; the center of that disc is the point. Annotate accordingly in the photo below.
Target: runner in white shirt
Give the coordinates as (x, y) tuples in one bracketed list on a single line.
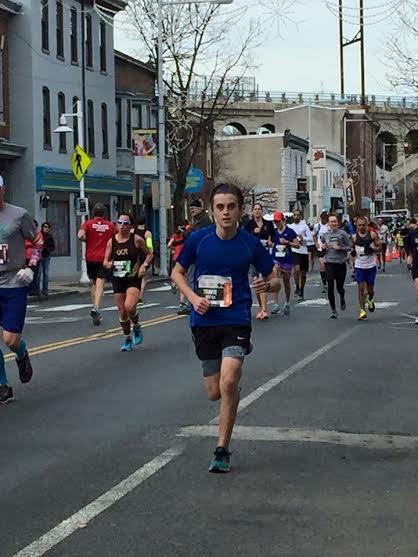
[(301, 255), (320, 229), (384, 234)]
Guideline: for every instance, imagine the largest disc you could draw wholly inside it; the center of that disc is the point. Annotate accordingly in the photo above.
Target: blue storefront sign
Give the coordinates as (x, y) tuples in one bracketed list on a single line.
[(195, 180)]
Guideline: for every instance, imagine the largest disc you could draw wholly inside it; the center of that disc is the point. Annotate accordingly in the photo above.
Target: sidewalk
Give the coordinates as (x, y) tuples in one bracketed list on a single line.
[(69, 286)]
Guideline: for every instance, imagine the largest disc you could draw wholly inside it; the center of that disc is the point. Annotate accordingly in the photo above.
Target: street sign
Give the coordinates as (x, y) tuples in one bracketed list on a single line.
[(80, 161)]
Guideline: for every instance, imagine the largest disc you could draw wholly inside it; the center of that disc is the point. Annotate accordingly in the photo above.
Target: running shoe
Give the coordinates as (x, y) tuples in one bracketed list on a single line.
[(96, 317), (127, 345), (324, 289), (362, 316), (286, 309), (371, 304), (334, 314), (297, 293), (138, 335), (184, 309), (25, 368), (262, 315), (221, 463), (416, 321), (343, 305), (6, 394), (275, 309)]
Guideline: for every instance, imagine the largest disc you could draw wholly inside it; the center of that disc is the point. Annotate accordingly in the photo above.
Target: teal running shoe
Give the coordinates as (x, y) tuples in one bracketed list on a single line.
[(138, 335), (127, 345), (221, 463)]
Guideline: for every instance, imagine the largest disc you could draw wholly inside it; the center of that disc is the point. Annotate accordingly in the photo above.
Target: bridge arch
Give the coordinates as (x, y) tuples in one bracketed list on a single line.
[(388, 143), (234, 128), (411, 142), (265, 129)]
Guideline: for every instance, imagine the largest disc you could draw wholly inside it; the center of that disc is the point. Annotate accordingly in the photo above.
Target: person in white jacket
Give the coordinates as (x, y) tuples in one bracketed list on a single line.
[(301, 254)]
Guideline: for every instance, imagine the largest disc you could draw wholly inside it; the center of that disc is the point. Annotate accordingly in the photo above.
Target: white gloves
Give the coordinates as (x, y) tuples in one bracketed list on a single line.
[(25, 276)]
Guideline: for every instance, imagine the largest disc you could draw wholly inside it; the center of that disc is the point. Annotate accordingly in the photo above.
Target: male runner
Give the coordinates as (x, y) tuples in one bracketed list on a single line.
[(383, 232), (412, 253), (320, 229), (16, 226), (284, 240), (366, 245), (336, 245), (221, 300), (301, 254), (96, 232)]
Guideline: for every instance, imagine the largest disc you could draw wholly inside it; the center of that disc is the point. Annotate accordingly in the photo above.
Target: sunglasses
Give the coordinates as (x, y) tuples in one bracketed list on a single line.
[(123, 222)]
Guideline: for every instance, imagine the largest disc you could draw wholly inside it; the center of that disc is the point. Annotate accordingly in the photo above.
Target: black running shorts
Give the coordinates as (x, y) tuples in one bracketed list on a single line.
[(302, 260), (95, 270), (121, 285)]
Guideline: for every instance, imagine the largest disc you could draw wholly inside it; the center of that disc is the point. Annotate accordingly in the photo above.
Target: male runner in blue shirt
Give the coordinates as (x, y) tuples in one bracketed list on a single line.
[(222, 301)]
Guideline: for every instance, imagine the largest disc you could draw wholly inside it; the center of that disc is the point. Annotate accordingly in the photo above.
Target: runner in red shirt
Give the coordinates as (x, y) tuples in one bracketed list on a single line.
[(96, 232)]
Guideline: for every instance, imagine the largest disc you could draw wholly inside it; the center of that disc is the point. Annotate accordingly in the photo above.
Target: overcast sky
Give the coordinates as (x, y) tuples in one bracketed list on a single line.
[(306, 58)]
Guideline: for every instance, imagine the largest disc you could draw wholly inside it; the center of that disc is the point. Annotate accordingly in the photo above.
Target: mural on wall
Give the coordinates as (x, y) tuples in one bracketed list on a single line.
[(268, 197)]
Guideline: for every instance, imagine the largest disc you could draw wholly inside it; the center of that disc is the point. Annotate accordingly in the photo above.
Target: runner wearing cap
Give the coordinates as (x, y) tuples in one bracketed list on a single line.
[(284, 240), (221, 299), (96, 232), (16, 226)]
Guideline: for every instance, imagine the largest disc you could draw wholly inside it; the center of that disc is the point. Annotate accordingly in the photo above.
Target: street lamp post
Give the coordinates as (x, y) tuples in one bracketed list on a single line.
[(161, 128), (63, 128)]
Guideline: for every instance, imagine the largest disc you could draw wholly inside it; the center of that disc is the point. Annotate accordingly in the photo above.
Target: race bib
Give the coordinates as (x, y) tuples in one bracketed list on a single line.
[(4, 254), (122, 268), (216, 289), (360, 251), (281, 251)]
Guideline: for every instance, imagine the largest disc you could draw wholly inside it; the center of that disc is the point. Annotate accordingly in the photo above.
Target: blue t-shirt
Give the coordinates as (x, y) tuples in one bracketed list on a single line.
[(282, 253), (225, 258)]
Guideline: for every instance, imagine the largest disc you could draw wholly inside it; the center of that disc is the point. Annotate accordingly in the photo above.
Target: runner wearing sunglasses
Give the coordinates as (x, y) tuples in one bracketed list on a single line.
[(123, 255)]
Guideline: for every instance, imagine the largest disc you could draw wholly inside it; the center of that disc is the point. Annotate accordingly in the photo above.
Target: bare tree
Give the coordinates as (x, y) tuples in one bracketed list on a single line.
[(208, 50)]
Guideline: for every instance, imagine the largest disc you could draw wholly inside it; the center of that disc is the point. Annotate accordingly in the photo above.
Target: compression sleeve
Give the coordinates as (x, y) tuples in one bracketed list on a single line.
[(149, 244)]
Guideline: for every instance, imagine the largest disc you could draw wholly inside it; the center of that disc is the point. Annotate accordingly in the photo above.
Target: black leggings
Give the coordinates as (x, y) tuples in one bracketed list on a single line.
[(335, 272)]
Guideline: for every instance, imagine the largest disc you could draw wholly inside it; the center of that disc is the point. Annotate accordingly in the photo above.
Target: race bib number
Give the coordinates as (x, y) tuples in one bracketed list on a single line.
[(216, 289), (281, 251), (122, 269), (4, 254), (360, 251)]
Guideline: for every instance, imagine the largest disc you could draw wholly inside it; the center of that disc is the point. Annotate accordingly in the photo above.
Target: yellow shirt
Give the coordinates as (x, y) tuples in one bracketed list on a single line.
[(399, 240)]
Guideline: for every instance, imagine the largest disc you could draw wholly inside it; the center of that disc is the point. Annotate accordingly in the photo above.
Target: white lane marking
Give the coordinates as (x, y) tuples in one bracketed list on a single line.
[(49, 320), (31, 306), (285, 434), (409, 315), (81, 518), (403, 328), (269, 385), (171, 307), (165, 288), (386, 305), (143, 306), (69, 307)]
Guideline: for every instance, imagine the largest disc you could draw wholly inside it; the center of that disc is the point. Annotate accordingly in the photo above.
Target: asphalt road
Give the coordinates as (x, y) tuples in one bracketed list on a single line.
[(105, 454)]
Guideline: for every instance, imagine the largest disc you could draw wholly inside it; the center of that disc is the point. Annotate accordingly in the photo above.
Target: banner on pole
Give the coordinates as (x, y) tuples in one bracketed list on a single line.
[(319, 156), (145, 151), (349, 192)]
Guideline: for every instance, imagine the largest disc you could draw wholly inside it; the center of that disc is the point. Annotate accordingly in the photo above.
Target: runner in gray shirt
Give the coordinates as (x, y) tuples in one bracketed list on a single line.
[(337, 244), (16, 226)]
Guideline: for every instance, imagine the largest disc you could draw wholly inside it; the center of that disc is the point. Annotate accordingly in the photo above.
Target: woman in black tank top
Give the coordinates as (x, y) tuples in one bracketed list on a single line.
[(123, 256)]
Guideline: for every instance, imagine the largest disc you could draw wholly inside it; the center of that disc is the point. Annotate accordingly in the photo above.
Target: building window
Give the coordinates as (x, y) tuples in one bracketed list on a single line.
[(128, 125), (75, 123), (58, 215), (105, 135), (315, 211), (46, 106), (2, 115), (74, 36), (118, 122), (90, 128), (89, 42), (62, 136), (314, 183), (148, 118), (103, 61), (60, 29), (137, 116), (45, 26), (209, 167)]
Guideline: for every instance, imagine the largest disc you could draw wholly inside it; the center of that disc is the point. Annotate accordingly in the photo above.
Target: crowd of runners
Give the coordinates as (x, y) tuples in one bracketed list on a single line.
[(216, 265)]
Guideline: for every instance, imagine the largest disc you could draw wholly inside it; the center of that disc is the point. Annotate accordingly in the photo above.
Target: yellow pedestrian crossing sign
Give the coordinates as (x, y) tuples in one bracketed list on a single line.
[(80, 161)]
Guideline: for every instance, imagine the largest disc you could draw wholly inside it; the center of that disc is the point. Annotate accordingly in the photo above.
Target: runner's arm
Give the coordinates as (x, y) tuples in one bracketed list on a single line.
[(107, 262), (347, 244), (377, 242), (148, 241), (81, 235), (270, 283), (149, 256), (179, 277)]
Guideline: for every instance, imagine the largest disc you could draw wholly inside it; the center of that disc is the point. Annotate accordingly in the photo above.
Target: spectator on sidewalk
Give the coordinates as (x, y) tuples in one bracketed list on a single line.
[(29, 250), (43, 267)]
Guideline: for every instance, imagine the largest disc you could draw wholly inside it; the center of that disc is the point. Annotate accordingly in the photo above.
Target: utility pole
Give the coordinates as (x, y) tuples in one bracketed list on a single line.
[(340, 12)]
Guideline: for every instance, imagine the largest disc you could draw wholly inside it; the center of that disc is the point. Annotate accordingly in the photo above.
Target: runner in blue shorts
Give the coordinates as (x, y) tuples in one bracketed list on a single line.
[(221, 300), (284, 240), (16, 226), (366, 245)]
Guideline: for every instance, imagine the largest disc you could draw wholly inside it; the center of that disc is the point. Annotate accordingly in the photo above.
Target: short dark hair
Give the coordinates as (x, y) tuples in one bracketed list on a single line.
[(46, 223), (228, 188), (141, 220), (333, 215), (257, 205), (126, 215), (413, 220), (298, 211), (99, 210)]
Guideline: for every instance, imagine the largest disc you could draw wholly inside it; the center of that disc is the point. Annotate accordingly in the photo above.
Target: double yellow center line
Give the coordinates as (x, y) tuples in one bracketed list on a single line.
[(109, 333)]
